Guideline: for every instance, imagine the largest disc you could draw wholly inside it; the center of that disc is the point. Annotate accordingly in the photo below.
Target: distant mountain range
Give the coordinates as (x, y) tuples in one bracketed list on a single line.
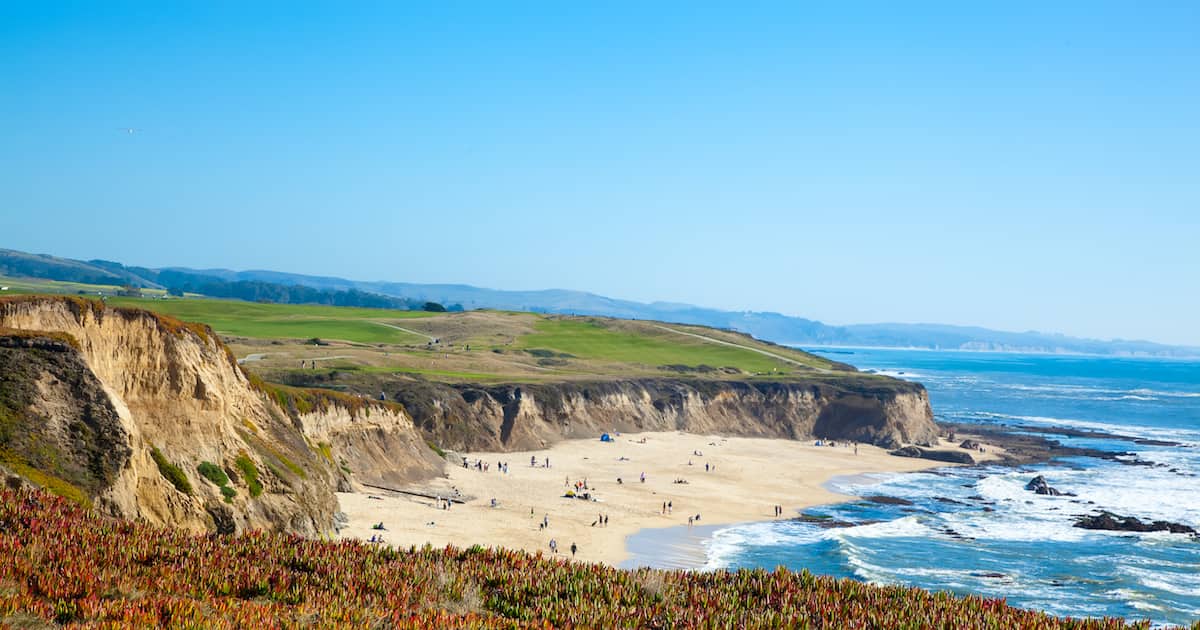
[(782, 329)]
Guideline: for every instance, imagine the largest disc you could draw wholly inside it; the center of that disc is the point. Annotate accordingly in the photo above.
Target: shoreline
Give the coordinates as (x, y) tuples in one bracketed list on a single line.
[(681, 548), (745, 479)]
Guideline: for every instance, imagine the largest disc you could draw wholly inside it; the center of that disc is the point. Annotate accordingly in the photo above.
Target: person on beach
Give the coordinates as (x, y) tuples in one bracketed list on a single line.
[(670, 506), (606, 520), (689, 522), (664, 508), (573, 549), (553, 546), (532, 461), (706, 467), (643, 477), (546, 520)]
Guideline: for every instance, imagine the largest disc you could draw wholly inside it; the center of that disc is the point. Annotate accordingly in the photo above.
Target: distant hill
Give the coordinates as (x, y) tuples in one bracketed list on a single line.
[(775, 327)]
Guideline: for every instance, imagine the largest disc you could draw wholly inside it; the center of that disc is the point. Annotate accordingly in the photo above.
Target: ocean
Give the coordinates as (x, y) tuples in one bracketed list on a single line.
[(978, 531)]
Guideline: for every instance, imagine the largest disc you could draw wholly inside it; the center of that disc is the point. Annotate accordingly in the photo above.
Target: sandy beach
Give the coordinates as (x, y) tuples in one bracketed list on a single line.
[(744, 480)]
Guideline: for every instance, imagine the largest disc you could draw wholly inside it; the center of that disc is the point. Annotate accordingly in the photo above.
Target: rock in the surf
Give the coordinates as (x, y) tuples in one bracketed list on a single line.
[(1039, 485), (1112, 522)]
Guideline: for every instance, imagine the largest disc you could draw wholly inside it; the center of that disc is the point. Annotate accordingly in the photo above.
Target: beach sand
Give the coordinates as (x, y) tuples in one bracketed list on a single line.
[(747, 477)]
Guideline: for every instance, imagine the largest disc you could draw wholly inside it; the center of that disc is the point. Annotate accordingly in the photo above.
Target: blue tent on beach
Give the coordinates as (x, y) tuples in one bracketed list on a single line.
[(606, 438)]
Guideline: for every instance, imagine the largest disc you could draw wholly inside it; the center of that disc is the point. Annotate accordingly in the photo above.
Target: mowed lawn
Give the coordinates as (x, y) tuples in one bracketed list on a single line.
[(588, 340), (286, 321)]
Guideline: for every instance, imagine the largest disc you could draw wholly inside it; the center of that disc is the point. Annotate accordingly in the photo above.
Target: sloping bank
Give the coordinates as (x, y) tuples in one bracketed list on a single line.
[(884, 412), (146, 417), (149, 418)]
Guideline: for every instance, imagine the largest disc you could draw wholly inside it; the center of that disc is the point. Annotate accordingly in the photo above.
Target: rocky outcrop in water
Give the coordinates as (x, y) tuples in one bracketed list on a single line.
[(1039, 485), (1112, 522), (952, 457)]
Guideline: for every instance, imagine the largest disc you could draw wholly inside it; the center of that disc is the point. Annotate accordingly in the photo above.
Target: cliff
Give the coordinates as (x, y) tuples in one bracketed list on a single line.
[(150, 418), (120, 407), (519, 417)]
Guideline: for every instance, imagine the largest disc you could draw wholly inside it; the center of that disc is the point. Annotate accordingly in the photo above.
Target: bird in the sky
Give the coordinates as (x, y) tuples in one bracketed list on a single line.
[(130, 130)]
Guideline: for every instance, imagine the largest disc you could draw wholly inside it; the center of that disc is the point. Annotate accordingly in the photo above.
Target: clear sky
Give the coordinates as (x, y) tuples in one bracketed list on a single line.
[(1016, 165)]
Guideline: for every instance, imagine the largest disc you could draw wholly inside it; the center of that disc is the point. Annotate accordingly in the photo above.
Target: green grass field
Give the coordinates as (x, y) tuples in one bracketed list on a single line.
[(477, 346), (285, 321), (588, 340)]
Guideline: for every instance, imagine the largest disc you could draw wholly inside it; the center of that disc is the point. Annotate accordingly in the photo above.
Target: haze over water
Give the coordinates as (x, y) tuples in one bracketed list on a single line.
[(979, 531)]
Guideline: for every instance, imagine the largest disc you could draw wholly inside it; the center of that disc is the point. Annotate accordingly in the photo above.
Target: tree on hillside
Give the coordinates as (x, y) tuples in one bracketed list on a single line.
[(434, 307)]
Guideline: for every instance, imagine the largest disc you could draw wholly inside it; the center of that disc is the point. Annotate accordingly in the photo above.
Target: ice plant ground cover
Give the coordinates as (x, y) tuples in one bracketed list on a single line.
[(62, 564)]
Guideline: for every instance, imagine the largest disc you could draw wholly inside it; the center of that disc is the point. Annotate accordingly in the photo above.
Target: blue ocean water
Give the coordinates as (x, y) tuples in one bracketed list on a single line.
[(977, 530)]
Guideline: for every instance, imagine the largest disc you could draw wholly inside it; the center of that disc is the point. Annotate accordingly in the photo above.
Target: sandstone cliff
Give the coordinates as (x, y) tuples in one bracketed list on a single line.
[(116, 404), (121, 407), (517, 417)]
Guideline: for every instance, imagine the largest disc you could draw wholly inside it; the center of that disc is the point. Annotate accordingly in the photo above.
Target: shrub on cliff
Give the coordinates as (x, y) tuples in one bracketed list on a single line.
[(213, 473), (250, 474), (173, 473)]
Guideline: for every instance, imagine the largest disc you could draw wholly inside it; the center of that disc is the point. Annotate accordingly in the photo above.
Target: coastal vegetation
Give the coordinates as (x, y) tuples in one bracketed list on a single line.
[(171, 472), (249, 474), (68, 566)]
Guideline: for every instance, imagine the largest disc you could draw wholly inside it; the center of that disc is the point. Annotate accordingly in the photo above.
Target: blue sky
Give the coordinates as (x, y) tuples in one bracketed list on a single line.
[(1017, 165)]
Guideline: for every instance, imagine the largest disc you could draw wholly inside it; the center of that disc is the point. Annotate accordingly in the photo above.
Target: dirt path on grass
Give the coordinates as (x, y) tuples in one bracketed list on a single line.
[(407, 330), (738, 345)]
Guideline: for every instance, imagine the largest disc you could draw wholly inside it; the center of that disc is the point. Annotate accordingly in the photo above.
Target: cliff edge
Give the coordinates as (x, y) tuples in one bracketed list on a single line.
[(887, 413), (150, 418)]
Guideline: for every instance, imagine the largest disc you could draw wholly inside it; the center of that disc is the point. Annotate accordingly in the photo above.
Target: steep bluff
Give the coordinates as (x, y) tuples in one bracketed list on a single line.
[(520, 417), (90, 395), (120, 407)]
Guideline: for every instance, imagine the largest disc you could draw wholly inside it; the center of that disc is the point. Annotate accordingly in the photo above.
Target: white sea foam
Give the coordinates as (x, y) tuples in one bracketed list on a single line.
[(1186, 437), (1177, 583), (1083, 391), (726, 543), (895, 373), (906, 527)]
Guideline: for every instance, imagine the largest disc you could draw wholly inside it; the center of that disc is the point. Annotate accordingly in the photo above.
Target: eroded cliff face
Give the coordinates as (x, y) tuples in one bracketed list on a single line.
[(157, 384), (377, 445), (519, 417), (89, 393)]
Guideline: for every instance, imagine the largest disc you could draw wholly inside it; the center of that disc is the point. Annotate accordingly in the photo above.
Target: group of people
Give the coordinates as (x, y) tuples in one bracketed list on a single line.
[(778, 511), (533, 462), (554, 547), (482, 466)]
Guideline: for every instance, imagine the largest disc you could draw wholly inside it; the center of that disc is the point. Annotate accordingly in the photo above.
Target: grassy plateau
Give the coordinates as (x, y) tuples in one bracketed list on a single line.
[(365, 344)]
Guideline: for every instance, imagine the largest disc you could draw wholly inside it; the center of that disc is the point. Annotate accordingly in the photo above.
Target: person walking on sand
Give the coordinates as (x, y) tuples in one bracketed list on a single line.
[(573, 549), (664, 508), (553, 546), (643, 477), (670, 506), (546, 520), (689, 522)]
